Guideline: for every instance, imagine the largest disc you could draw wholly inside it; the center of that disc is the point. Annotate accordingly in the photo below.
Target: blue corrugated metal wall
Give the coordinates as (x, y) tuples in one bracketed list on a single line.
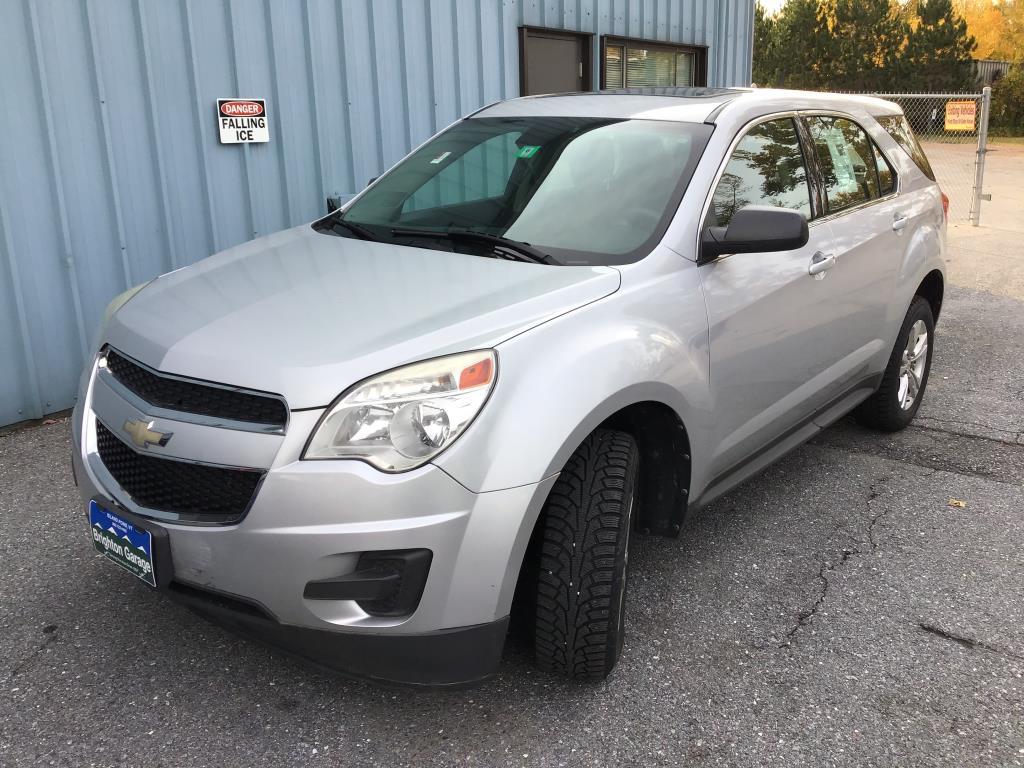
[(110, 168)]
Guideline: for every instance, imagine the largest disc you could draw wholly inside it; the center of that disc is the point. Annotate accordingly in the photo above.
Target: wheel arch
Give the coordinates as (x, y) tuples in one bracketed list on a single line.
[(931, 289), (648, 414), (664, 481), (665, 459)]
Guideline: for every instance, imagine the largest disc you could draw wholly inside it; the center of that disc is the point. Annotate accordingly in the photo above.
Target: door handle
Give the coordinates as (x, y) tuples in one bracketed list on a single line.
[(821, 262), (899, 221)]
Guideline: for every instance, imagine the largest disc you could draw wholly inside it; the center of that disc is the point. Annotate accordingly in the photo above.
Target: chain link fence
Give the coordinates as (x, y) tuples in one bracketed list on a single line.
[(953, 129)]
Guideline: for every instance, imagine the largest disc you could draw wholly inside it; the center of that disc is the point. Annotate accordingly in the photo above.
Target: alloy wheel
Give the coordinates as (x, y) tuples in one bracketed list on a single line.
[(915, 356)]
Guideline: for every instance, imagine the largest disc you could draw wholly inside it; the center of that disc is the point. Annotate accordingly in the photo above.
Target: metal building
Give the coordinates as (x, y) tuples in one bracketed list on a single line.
[(990, 71), (111, 168)]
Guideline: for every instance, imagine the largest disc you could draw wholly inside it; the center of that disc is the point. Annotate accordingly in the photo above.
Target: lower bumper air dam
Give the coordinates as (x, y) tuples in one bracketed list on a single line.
[(445, 658)]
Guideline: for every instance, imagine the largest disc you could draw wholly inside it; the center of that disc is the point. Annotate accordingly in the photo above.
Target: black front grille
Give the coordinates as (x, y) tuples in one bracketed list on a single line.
[(192, 492), (194, 397)]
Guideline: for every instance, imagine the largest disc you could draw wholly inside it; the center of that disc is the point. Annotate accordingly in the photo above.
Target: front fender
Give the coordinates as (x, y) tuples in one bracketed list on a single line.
[(559, 381)]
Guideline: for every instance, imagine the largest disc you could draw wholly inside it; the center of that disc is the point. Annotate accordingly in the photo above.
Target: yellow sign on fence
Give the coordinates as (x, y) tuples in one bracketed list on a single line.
[(960, 115)]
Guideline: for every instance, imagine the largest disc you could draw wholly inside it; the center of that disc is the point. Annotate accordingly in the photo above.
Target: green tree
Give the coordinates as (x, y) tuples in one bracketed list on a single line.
[(1008, 104), (802, 45), (938, 53), (870, 45), (765, 65), (867, 40)]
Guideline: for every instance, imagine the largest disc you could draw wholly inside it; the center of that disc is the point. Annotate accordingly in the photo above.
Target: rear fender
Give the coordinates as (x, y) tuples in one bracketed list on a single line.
[(924, 252)]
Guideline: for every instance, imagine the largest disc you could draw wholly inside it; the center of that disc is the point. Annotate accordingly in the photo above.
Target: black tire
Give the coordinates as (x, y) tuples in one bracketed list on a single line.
[(882, 411), (584, 553)]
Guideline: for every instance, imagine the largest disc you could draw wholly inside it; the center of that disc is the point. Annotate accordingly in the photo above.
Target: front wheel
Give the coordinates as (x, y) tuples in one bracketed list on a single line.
[(895, 403), (584, 552)]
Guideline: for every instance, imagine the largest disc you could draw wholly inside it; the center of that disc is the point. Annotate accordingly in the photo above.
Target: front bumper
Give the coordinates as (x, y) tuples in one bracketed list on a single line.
[(443, 658), (312, 520)]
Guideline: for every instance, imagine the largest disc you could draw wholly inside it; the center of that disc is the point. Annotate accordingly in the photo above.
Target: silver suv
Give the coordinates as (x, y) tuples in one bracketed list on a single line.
[(561, 321)]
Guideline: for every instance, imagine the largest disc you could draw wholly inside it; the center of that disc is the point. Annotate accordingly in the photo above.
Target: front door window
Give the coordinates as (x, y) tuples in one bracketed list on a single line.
[(766, 168)]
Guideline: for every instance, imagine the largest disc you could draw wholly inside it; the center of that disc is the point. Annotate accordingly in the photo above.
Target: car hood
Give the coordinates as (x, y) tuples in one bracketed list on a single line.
[(306, 315)]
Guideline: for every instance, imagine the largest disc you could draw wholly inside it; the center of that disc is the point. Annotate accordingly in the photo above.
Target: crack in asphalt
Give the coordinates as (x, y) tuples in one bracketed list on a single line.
[(805, 616), (968, 642), (934, 466), (51, 635), (961, 423), (1012, 442), (869, 538), (872, 495)]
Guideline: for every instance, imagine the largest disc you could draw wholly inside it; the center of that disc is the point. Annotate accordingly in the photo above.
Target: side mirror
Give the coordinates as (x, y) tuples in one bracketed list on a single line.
[(755, 229)]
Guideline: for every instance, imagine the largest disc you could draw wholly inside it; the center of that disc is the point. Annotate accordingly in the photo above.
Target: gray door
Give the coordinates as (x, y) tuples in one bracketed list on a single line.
[(553, 62), (867, 220), (773, 357)]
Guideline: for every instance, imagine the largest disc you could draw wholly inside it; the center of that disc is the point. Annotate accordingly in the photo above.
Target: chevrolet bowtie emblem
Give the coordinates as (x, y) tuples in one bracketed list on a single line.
[(143, 434)]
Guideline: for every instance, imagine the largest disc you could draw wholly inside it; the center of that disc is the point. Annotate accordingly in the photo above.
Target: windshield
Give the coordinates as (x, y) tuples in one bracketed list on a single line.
[(580, 190)]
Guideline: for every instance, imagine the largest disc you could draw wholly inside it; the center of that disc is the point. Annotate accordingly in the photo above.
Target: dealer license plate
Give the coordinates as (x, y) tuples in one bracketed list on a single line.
[(118, 540)]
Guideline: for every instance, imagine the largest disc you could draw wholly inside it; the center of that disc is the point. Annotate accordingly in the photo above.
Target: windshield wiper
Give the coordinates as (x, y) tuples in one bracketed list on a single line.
[(518, 250), (356, 229)]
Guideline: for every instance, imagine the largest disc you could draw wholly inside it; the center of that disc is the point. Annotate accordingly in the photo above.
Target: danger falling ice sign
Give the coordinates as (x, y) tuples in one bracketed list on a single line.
[(242, 121)]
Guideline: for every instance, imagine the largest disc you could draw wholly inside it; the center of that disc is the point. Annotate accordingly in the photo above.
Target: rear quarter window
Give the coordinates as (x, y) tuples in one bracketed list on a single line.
[(901, 132), (886, 175)]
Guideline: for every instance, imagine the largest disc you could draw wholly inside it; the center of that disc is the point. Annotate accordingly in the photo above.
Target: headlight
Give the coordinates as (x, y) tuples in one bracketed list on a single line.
[(403, 418)]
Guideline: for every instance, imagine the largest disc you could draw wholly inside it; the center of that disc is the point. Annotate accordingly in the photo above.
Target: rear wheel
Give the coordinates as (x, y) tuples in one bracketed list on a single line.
[(584, 553), (895, 403)]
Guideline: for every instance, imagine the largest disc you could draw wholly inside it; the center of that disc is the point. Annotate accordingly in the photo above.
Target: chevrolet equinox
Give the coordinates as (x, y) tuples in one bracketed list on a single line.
[(559, 322)]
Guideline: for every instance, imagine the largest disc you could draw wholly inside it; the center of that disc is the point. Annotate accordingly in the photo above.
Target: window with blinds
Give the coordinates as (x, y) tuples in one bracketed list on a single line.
[(613, 66), (639, 64)]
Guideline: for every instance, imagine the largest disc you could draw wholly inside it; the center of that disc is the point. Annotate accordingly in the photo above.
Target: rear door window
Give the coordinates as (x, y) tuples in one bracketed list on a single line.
[(847, 160), (766, 168), (901, 132)]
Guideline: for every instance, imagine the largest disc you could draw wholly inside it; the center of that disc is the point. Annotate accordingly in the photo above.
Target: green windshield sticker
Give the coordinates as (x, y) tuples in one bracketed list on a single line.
[(527, 151)]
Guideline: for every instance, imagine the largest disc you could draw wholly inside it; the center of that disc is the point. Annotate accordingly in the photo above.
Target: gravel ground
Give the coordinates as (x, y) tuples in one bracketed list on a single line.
[(836, 610)]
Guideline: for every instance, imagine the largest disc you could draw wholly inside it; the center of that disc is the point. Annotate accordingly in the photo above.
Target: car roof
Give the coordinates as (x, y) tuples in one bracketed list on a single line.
[(691, 105)]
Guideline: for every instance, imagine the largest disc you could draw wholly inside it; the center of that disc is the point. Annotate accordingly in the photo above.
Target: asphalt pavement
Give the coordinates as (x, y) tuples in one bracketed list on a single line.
[(860, 603)]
